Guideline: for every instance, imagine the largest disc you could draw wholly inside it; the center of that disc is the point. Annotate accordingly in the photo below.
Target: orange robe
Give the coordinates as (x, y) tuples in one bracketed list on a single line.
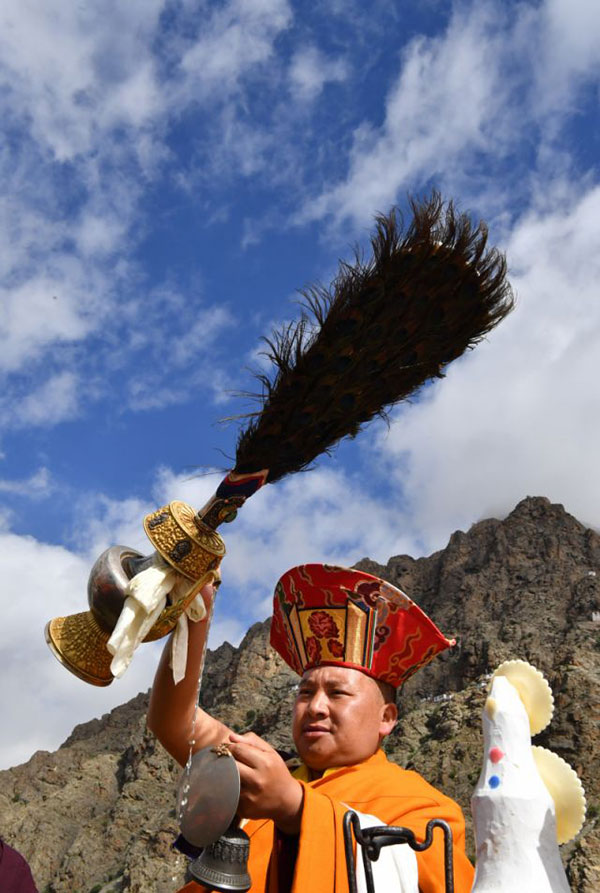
[(379, 788)]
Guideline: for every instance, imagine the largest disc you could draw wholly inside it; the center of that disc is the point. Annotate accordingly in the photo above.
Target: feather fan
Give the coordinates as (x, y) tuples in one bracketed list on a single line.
[(384, 328)]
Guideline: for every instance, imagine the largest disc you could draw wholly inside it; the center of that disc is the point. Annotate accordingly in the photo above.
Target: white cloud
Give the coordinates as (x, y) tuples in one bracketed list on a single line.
[(89, 95), (444, 103), (41, 311), (100, 522), (99, 231), (168, 376), (521, 414), (467, 100), (56, 400), (310, 70), (36, 486), (235, 38), (205, 329), (569, 50), (77, 71)]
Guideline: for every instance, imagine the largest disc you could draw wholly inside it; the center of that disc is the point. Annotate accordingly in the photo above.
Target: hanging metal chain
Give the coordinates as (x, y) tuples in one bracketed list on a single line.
[(371, 841)]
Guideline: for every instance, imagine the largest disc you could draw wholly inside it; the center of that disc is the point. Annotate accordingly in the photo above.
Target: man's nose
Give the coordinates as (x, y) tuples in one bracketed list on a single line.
[(318, 704)]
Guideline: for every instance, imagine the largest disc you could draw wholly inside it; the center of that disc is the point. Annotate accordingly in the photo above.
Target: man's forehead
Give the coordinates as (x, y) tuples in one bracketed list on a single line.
[(327, 673)]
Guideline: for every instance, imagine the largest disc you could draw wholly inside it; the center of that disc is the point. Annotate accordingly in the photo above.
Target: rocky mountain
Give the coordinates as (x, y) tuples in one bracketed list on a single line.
[(98, 816)]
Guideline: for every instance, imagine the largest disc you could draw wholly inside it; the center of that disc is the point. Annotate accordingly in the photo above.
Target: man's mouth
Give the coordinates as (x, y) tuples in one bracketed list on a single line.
[(315, 731)]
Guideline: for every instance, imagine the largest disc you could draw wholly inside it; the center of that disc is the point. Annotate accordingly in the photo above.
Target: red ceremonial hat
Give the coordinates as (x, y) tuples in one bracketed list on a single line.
[(335, 615)]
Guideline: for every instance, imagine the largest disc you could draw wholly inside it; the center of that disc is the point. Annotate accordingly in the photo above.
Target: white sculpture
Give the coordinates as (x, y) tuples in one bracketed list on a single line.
[(527, 799)]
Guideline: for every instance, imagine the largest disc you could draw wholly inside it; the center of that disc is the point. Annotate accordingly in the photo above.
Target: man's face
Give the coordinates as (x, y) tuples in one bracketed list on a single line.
[(340, 717)]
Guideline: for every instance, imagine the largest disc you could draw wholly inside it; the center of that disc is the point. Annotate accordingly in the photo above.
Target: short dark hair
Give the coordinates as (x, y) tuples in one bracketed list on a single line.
[(387, 690)]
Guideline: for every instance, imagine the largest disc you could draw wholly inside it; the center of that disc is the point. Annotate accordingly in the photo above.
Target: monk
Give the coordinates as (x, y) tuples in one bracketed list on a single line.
[(353, 639), (15, 874)]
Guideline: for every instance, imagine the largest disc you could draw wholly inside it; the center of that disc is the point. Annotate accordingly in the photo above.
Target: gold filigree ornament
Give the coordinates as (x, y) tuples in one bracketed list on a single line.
[(194, 550), (79, 643), (565, 788), (533, 689), (184, 541)]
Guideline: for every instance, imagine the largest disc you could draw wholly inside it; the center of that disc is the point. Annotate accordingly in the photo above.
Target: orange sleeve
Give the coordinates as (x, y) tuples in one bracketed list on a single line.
[(321, 861)]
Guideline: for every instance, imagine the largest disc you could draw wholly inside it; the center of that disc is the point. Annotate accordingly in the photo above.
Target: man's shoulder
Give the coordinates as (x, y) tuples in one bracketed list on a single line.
[(392, 771), (389, 779), (413, 781)]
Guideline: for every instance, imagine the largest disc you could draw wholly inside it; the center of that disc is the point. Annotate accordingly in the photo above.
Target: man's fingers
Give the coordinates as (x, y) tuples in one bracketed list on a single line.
[(247, 776), (247, 753), (249, 748)]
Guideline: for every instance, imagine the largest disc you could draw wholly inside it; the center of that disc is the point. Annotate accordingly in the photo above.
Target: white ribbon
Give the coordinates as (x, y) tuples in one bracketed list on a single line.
[(195, 611), (146, 598), (147, 594)]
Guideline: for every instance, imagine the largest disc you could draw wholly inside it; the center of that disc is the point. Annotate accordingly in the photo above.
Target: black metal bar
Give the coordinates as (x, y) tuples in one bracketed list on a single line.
[(367, 864), (373, 839), (351, 823)]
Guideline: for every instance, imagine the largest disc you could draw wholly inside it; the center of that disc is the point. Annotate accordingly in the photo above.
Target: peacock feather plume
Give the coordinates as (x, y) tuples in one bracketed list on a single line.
[(383, 328)]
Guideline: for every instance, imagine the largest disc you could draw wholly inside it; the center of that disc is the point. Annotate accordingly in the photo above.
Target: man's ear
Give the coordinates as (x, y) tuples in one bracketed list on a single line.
[(389, 718)]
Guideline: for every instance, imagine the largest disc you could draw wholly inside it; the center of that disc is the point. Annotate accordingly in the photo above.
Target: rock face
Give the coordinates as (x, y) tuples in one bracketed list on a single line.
[(98, 816)]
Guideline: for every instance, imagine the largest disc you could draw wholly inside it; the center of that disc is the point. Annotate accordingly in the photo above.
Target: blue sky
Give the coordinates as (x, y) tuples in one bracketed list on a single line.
[(172, 172)]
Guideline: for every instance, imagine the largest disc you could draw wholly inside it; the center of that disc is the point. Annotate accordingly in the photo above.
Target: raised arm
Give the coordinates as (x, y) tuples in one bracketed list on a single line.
[(172, 714)]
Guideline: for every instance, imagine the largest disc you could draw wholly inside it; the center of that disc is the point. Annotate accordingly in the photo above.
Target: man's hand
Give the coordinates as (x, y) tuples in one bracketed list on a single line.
[(268, 790)]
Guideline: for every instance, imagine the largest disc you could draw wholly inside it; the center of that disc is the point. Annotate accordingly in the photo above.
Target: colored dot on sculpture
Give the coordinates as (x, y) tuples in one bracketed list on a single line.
[(494, 781), (496, 754)]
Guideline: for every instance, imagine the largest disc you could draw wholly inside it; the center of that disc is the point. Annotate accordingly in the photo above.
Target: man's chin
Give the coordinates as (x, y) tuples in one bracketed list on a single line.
[(316, 754), (319, 758)]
